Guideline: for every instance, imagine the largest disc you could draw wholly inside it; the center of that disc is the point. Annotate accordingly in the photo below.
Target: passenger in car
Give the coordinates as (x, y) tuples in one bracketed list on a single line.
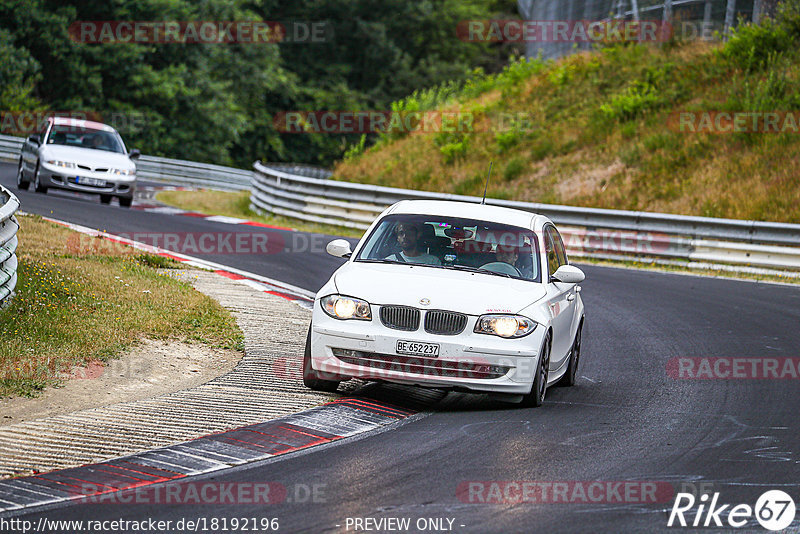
[(408, 238)]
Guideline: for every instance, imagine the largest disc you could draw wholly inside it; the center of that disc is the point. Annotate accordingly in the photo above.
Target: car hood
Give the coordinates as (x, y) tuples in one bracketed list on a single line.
[(470, 293), (89, 156)]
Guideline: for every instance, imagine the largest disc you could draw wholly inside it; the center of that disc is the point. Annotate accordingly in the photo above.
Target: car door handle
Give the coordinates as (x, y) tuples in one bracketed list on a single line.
[(570, 297)]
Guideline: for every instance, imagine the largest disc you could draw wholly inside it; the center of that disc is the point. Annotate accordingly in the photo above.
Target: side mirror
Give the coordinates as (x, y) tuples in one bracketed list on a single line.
[(569, 274), (339, 248), (35, 139), (133, 154)]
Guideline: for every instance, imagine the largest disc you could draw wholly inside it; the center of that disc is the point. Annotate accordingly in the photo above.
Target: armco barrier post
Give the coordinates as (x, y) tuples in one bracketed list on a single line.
[(9, 204)]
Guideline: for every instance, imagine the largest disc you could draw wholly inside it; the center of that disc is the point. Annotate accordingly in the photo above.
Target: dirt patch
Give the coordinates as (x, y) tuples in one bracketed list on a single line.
[(588, 180), (151, 369)]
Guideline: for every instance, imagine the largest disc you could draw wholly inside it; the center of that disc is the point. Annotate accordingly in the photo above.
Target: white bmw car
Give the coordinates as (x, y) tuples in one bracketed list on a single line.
[(450, 295), (78, 155)]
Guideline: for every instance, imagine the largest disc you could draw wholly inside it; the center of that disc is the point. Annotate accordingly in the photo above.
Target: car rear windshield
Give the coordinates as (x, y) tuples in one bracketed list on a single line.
[(454, 243), (65, 134)]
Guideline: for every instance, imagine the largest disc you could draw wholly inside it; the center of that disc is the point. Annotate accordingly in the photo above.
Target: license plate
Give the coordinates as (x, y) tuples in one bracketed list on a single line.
[(415, 348), (89, 181)]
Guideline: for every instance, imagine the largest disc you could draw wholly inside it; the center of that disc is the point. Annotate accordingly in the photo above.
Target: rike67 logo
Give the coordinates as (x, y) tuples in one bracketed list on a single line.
[(774, 510)]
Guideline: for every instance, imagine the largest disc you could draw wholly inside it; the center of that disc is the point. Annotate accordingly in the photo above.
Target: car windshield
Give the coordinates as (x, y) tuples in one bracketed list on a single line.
[(65, 134), (454, 243)]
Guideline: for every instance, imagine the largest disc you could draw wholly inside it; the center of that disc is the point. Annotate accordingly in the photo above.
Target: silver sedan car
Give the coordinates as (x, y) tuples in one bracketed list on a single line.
[(79, 155)]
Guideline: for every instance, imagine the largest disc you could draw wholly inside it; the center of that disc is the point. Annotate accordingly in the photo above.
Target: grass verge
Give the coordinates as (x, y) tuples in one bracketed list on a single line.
[(80, 299), (238, 205)]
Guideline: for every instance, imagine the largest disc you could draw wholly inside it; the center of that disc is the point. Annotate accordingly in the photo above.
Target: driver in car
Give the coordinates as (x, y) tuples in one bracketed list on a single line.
[(507, 254), (408, 237), (98, 142), (510, 255)]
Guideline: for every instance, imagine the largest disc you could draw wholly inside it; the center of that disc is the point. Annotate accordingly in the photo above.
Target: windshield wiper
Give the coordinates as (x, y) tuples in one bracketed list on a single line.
[(477, 270)]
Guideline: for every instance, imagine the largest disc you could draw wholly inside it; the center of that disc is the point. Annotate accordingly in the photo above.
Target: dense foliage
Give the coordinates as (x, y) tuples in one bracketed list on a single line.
[(216, 103)]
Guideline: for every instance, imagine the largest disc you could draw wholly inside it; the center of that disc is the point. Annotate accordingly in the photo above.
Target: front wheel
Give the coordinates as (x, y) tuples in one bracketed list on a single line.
[(105, 199), (125, 202), (535, 398), (570, 377), (37, 184), (311, 378), (22, 183)]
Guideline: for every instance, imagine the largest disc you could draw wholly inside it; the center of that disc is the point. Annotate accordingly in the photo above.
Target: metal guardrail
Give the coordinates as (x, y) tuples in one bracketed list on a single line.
[(181, 172), (306, 194), (10, 148), (156, 169), (9, 204)]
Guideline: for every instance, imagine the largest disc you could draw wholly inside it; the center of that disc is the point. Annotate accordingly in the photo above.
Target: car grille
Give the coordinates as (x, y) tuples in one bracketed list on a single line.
[(400, 317), (445, 323), (420, 366)]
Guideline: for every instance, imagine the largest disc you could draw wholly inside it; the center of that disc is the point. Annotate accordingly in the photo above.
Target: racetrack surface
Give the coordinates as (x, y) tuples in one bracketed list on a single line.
[(625, 420)]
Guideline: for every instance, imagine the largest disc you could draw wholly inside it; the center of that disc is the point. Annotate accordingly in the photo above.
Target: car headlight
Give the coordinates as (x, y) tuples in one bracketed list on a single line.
[(508, 326), (341, 307), (122, 172), (58, 163)]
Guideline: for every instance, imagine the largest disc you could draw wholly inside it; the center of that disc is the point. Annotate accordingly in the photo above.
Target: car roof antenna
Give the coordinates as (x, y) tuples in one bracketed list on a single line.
[(487, 183)]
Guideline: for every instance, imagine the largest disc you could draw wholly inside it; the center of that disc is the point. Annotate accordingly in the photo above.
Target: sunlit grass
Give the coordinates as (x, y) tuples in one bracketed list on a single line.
[(81, 299)]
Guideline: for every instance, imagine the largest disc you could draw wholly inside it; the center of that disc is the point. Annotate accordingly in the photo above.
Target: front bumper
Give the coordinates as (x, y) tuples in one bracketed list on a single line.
[(63, 178), (477, 362)]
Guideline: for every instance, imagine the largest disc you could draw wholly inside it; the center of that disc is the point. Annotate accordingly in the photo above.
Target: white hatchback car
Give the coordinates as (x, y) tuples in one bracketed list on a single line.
[(78, 155), (450, 295)]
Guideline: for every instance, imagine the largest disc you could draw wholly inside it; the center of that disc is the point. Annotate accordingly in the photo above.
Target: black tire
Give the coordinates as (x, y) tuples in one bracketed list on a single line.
[(314, 379), (105, 199), (22, 184), (39, 188), (535, 398), (570, 377), (125, 202)]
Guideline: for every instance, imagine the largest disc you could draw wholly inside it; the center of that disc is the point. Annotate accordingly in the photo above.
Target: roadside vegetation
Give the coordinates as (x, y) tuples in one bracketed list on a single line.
[(238, 205), (603, 129), (81, 299), (215, 103)]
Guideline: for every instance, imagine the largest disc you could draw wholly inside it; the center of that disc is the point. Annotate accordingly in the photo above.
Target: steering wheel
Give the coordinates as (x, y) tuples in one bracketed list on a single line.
[(501, 267)]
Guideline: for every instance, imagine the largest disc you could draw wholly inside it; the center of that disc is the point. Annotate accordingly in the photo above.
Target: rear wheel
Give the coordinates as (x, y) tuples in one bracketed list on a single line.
[(571, 375), (535, 398), (314, 379), (37, 185), (125, 202), (105, 199), (22, 183)]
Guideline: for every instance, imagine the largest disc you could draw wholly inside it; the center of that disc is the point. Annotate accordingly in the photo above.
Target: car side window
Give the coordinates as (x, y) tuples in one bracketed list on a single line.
[(550, 250), (560, 251)]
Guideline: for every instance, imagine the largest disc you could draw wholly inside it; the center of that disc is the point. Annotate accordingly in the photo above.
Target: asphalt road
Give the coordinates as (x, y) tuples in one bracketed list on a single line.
[(626, 420)]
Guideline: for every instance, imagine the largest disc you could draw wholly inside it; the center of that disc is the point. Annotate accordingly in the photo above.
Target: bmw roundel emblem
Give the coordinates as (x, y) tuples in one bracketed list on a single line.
[(425, 302)]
